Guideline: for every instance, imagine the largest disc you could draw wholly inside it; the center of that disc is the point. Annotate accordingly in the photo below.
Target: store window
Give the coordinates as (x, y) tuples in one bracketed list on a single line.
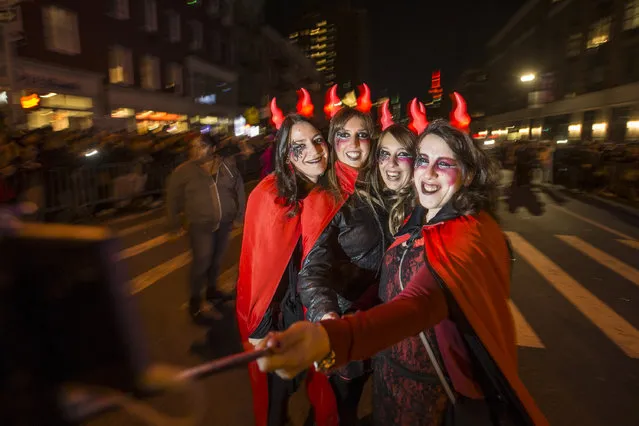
[(61, 30), (150, 73), (120, 65), (631, 15)]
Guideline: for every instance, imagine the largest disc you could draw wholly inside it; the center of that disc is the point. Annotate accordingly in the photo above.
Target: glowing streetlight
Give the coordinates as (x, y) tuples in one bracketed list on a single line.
[(527, 77)]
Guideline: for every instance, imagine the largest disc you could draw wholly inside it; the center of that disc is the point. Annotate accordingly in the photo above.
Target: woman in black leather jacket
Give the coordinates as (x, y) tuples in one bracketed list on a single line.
[(340, 273)]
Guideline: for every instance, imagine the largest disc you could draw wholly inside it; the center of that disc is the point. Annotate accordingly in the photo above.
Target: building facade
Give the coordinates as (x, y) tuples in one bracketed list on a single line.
[(337, 42), (560, 70), (136, 64)]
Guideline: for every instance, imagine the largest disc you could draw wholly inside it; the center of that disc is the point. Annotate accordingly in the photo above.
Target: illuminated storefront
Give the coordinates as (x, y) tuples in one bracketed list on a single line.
[(54, 96)]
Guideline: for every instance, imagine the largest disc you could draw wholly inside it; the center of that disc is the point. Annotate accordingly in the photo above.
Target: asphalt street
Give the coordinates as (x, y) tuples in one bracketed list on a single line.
[(575, 299)]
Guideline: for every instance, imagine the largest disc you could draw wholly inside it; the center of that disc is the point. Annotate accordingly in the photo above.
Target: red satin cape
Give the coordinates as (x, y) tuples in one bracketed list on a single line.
[(470, 255), (269, 239)]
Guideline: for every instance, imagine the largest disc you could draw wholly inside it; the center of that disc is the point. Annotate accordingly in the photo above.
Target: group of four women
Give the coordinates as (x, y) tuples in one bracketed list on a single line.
[(387, 246)]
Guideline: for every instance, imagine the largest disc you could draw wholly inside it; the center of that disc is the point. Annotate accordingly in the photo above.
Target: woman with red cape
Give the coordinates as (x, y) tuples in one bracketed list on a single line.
[(276, 233)]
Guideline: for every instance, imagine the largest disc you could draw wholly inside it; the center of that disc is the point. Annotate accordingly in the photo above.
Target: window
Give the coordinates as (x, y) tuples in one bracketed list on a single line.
[(120, 65), (196, 35), (175, 27), (150, 73), (121, 9), (174, 78), (631, 15), (61, 30), (574, 45), (150, 16), (599, 33)]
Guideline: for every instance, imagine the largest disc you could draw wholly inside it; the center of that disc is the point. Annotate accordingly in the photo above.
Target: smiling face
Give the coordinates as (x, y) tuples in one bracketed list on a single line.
[(308, 151), (395, 163), (437, 174), (353, 143)]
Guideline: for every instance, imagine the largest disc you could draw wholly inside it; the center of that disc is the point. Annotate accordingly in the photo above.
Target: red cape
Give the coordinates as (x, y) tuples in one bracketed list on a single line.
[(470, 255), (269, 239)]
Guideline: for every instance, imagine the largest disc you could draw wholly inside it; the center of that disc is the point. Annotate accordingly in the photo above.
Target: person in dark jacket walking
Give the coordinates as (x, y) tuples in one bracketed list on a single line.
[(209, 190)]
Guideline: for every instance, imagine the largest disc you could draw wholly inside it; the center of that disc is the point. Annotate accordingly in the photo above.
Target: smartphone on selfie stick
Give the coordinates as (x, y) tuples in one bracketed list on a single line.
[(67, 316)]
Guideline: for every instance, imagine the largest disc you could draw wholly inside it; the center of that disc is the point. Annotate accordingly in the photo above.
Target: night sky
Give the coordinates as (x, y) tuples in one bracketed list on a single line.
[(411, 38)]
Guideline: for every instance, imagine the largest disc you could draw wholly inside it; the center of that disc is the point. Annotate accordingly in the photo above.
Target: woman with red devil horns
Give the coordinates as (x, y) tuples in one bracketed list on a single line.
[(446, 323), (340, 271), (285, 214)]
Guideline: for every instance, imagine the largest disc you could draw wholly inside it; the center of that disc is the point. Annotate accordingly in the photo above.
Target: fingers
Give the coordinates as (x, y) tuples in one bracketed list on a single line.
[(294, 335)]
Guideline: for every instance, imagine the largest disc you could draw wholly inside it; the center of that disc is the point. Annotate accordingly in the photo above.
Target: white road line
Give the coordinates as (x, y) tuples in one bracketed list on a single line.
[(127, 218), (592, 222), (141, 227), (147, 245), (152, 276), (526, 336), (617, 266), (608, 321), (630, 243)]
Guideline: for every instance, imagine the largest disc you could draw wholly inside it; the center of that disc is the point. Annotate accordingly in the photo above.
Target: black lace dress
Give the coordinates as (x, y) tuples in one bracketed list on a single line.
[(406, 390)]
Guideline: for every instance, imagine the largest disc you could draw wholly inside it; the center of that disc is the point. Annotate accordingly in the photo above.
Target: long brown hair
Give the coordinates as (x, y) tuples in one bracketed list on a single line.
[(290, 183), (398, 203), (480, 174)]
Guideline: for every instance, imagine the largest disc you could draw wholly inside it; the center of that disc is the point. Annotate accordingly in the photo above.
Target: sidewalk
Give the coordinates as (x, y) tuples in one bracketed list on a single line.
[(609, 200)]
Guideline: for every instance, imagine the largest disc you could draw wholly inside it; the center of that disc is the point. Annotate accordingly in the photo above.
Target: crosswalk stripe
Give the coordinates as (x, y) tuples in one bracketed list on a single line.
[(127, 218), (593, 222), (630, 243), (152, 276), (621, 268), (147, 245), (608, 321), (526, 336), (140, 227)]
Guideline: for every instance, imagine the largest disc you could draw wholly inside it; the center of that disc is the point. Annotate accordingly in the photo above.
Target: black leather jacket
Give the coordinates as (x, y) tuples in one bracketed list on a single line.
[(342, 269)]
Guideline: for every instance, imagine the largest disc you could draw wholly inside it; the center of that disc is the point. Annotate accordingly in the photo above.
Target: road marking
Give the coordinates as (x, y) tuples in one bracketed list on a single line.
[(608, 321), (127, 218), (157, 241), (593, 222), (630, 243), (526, 336), (141, 227), (147, 245), (626, 271), (152, 276)]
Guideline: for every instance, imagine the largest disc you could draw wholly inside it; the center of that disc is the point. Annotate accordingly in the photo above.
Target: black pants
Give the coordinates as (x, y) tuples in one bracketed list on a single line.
[(347, 394), (279, 394), (208, 248)]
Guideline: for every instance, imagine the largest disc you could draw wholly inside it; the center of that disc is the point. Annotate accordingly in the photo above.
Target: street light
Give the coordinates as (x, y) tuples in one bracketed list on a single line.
[(525, 78)]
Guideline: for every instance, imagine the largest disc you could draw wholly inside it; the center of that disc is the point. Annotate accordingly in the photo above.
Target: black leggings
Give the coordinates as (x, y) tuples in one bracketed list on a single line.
[(347, 394)]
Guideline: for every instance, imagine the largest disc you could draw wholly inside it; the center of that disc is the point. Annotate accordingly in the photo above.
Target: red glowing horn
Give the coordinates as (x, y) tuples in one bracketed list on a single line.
[(459, 117), (305, 105), (277, 117), (386, 118), (333, 103), (364, 103), (418, 120)]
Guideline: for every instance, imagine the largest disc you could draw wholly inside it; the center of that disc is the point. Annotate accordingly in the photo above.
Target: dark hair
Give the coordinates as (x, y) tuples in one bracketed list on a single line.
[(338, 122), (288, 179), (398, 203), (479, 173), (210, 140)]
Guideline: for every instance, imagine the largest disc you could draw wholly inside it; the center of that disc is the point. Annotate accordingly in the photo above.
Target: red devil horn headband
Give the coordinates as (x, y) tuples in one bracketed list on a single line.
[(364, 103), (333, 103), (305, 105), (459, 117), (418, 121), (386, 118), (277, 117)]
